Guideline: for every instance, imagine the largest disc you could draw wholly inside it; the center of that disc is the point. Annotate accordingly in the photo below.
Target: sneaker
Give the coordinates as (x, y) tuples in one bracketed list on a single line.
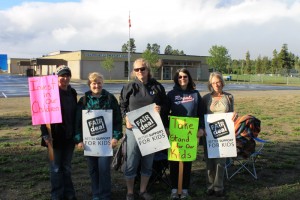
[(145, 196), (70, 198), (219, 193), (174, 194), (184, 194), (130, 197), (210, 192)]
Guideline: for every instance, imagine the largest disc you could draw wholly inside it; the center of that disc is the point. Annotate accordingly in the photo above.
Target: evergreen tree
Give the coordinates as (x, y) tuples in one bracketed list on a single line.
[(248, 65), (266, 65), (275, 63), (130, 43), (148, 47), (285, 61), (168, 50), (258, 65), (155, 48)]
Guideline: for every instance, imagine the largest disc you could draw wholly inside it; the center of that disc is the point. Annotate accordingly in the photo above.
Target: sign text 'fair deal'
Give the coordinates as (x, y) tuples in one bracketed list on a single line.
[(220, 135), (148, 130), (97, 132)]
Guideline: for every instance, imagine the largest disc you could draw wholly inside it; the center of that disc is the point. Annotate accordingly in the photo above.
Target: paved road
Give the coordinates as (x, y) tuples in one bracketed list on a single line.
[(17, 86)]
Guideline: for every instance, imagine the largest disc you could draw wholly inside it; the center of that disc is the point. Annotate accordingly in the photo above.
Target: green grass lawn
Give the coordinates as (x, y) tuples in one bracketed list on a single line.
[(24, 164)]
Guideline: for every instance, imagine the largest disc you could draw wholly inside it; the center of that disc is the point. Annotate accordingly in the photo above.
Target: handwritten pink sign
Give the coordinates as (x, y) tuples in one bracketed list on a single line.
[(44, 100)]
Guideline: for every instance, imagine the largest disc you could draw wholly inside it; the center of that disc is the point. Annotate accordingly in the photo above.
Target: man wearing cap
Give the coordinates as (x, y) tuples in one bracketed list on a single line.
[(62, 139)]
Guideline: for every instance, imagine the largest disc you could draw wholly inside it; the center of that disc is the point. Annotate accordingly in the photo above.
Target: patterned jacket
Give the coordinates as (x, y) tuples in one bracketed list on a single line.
[(105, 101)]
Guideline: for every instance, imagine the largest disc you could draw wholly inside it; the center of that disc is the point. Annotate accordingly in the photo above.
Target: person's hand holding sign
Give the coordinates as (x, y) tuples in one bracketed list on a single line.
[(47, 139), (201, 132), (128, 124), (80, 145), (235, 116), (113, 143), (157, 108)]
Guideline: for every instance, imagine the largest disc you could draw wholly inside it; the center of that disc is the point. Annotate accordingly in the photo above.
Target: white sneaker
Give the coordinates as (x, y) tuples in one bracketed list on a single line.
[(174, 194), (184, 194)]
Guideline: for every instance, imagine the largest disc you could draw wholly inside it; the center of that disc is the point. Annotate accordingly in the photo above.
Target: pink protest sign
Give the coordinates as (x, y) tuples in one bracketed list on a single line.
[(44, 100)]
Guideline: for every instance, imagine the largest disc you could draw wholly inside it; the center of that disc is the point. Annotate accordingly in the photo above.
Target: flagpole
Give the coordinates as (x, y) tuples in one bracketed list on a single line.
[(129, 46)]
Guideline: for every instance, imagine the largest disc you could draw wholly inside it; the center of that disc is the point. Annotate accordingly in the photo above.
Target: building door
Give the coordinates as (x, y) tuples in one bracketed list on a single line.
[(167, 75), (199, 73)]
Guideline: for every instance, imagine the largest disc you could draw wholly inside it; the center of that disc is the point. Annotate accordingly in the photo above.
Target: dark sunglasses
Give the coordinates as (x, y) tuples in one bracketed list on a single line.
[(139, 69), (180, 77)]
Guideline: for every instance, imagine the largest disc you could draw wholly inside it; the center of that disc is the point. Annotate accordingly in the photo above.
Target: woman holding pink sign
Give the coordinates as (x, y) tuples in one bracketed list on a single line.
[(184, 100), (62, 139)]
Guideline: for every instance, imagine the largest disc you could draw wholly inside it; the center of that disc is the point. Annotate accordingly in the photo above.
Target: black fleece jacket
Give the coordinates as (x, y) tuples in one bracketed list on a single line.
[(135, 95)]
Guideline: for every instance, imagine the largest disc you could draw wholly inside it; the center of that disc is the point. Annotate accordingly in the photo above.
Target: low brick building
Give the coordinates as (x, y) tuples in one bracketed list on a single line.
[(83, 62)]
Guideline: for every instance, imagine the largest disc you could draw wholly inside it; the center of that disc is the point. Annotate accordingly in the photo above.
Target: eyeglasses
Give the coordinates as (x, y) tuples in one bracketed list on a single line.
[(216, 83), (180, 77), (139, 69)]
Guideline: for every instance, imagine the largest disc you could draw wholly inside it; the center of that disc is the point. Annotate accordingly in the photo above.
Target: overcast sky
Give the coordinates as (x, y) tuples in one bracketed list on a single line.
[(31, 29)]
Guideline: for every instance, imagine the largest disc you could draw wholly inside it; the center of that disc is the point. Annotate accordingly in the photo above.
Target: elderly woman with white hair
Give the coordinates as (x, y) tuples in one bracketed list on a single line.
[(217, 101)]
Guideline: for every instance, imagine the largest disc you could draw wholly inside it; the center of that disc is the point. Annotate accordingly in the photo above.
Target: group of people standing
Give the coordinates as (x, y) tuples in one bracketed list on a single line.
[(183, 100)]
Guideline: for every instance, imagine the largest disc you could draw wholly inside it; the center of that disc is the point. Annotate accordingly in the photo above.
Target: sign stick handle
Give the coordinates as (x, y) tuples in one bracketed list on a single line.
[(180, 177), (50, 146)]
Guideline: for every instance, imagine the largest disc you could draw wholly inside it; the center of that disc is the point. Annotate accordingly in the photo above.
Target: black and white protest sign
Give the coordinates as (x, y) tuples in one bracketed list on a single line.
[(97, 132), (220, 138), (148, 130)]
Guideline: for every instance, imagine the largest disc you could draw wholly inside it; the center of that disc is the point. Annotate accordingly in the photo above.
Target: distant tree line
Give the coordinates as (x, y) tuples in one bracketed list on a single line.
[(155, 48), (151, 52), (283, 63), (219, 59)]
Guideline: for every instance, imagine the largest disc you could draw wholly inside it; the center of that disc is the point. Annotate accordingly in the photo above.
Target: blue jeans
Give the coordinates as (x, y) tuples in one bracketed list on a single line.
[(134, 158), (60, 172), (99, 170)]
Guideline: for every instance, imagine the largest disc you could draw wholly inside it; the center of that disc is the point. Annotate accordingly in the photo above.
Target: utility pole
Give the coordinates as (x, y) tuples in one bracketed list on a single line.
[(129, 46)]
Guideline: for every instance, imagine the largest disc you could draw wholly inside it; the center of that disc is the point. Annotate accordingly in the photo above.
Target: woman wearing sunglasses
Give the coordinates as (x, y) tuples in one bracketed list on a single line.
[(185, 101), (142, 91)]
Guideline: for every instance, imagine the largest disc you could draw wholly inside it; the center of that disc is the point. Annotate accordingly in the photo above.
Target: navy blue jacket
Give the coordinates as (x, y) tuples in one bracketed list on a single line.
[(183, 103)]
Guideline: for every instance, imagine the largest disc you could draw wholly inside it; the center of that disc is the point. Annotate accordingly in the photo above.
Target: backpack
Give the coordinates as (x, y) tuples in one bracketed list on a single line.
[(119, 159), (246, 128)]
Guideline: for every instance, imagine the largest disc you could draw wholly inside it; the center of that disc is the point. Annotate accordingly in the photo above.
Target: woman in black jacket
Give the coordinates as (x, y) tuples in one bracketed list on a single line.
[(143, 91), (62, 139)]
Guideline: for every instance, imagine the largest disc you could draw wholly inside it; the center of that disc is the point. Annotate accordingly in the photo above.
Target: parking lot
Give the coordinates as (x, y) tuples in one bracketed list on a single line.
[(17, 86)]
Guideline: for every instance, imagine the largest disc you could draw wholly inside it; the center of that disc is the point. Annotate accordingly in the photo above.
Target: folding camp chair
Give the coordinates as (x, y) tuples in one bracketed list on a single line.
[(240, 163), (160, 169)]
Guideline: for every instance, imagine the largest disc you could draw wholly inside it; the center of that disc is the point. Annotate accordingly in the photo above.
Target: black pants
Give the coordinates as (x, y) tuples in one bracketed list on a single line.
[(174, 171)]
